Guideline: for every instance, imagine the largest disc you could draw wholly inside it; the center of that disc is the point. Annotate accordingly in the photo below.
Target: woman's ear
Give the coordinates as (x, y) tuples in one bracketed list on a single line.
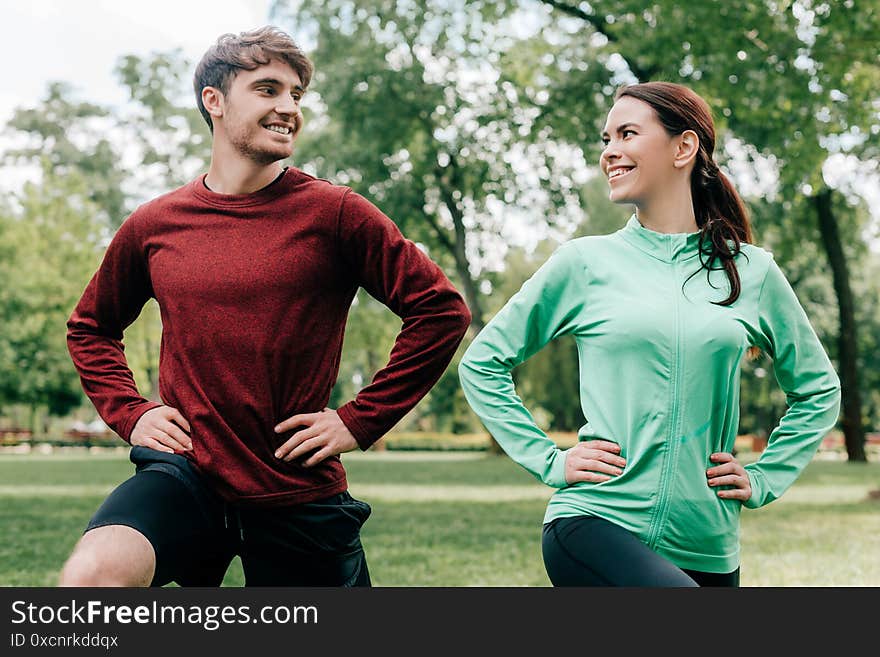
[(687, 148)]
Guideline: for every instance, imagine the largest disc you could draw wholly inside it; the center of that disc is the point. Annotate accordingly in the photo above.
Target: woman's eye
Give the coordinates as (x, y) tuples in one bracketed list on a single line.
[(628, 132)]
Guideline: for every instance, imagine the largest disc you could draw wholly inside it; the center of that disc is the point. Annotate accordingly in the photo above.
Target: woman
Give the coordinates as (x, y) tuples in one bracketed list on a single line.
[(663, 312)]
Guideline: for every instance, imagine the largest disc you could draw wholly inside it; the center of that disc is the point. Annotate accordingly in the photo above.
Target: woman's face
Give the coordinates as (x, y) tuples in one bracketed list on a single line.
[(639, 154)]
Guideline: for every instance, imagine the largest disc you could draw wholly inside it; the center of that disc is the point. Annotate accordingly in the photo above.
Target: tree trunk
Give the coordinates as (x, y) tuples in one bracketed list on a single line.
[(854, 436), (33, 422), (471, 293), (462, 266)]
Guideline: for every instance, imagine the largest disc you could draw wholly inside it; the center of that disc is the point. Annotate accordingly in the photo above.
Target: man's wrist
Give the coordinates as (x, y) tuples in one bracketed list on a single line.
[(351, 423)]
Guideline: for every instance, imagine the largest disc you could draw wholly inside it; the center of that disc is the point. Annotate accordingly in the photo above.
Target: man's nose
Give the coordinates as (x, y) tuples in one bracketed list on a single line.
[(287, 105)]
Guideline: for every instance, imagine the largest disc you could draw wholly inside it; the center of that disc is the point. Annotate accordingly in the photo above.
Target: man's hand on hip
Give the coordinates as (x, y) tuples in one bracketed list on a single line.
[(324, 434), (163, 429)]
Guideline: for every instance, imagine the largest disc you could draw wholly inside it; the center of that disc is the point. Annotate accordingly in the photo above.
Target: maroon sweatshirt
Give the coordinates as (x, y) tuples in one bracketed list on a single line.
[(254, 291)]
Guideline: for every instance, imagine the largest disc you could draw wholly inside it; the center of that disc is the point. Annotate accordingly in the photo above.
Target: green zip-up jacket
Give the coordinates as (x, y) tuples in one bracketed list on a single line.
[(659, 375)]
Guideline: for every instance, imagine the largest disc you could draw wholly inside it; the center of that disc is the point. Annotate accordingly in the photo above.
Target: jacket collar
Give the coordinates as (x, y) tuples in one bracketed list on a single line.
[(668, 247)]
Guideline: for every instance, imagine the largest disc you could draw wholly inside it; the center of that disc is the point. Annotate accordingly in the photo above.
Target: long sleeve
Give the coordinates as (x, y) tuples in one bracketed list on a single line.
[(397, 273), (539, 312), (111, 302), (809, 381)]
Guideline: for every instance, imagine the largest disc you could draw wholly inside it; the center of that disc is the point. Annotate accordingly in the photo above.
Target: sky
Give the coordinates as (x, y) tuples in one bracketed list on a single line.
[(79, 41)]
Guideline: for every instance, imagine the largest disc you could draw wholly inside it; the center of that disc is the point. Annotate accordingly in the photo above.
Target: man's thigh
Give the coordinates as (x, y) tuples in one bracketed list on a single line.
[(314, 544), (164, 502), (112, 555)]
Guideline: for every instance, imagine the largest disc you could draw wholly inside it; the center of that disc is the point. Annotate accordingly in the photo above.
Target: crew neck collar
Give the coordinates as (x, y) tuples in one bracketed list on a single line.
[(282, 183)]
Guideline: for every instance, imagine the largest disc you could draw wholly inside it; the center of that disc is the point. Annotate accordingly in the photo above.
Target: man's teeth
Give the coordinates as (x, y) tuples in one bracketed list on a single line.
[(277, 128)]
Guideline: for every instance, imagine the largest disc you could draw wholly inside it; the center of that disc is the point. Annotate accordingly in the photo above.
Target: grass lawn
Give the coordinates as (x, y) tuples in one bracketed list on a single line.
[(458, 519)]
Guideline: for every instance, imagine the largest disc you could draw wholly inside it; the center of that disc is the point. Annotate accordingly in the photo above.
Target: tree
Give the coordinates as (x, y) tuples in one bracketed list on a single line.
[(409, 107), (784, 77), (49, 245), (64, 136), (172, 140), (67, 140)]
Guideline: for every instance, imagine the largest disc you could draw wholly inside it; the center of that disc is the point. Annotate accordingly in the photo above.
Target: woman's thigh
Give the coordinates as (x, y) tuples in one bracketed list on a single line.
[(589, 551)]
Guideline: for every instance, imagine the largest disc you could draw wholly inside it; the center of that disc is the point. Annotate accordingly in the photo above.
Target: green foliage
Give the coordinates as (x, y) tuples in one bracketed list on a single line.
[(789, 81), (445, 408), (50, 246), (867, 292), (783, 76), (54, 232), (163, 120), (413, 109), (68, 137), (369, 337), (472, 124)]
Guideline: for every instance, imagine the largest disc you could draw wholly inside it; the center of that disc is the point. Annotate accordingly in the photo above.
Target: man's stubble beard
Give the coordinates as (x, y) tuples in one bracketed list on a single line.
[(245, 143), (247, 148)]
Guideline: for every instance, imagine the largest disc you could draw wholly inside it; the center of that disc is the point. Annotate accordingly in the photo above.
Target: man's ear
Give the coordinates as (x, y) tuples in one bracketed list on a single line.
[(687, 148), (212, 99)]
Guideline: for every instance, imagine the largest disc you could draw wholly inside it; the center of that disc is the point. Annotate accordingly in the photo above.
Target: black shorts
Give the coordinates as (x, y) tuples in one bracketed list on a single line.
[(195, 534)]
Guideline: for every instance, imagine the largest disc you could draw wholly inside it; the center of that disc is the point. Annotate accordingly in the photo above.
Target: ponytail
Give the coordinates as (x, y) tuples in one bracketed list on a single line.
[(723, 222)]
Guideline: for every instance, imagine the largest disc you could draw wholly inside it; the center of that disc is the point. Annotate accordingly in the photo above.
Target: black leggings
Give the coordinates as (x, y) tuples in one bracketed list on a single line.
[(589, 551)]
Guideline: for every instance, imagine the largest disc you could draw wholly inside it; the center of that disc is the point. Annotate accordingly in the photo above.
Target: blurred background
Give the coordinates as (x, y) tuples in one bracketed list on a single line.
[(474, 125)]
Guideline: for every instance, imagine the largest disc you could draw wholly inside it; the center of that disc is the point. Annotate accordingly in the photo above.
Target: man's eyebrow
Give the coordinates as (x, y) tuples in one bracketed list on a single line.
[(275, 82), (622, 127)]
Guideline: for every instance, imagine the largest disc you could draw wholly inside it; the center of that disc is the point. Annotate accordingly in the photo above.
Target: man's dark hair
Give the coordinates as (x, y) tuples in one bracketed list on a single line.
[(246, 51)]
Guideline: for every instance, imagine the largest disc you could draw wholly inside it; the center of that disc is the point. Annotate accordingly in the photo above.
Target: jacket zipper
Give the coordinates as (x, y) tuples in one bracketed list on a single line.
[(672, 443)]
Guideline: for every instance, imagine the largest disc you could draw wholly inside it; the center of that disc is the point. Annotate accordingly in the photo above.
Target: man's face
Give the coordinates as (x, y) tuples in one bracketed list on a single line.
[(261, 112)]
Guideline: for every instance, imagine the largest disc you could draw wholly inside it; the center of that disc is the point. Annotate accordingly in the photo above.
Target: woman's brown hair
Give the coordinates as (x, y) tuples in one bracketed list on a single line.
[(720, 213)]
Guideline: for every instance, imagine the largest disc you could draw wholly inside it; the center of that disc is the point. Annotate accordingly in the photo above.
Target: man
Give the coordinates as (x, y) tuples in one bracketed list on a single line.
[(254, 267)]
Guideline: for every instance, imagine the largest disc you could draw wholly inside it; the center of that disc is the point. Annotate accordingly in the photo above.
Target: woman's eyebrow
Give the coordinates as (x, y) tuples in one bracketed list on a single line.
[(622, 127)]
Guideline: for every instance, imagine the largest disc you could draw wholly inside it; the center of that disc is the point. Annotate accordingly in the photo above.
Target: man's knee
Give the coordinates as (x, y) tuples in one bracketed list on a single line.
[(115, 555)]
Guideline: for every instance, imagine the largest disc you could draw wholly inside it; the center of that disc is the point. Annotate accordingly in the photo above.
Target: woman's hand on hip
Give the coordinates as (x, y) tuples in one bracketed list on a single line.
[(729, 473), (593, 460)]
